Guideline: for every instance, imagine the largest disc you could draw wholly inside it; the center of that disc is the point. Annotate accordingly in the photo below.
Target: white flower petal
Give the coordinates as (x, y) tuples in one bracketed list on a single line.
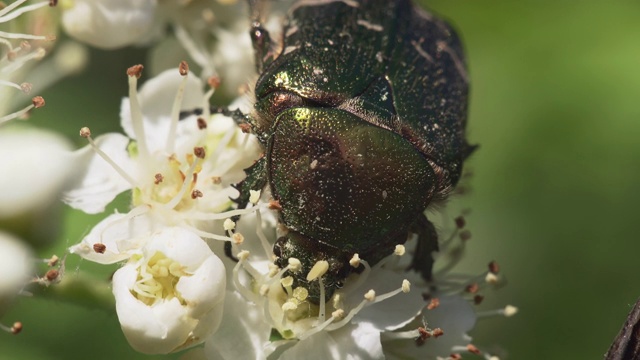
[(245, 333), (122, 236), (109, 24), (35, 165), (94, 189), (351, 342)]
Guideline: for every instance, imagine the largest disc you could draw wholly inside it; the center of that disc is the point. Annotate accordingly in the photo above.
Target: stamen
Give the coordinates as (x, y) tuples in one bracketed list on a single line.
[(507, 311), (15, 329), (185, 184), (244, 291), (85, 132), (322, 300), (263, 239), (134, 73), (316, 329), (361, 278), (400, 335), (175, 109), (22, 10)]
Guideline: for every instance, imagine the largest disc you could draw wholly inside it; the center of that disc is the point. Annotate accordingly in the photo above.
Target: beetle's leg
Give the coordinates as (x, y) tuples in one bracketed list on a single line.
[(422, 261), (260, 38), (256, 179)]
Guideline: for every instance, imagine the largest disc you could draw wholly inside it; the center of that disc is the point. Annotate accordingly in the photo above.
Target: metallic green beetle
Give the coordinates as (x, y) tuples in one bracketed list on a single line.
[(362, 113)]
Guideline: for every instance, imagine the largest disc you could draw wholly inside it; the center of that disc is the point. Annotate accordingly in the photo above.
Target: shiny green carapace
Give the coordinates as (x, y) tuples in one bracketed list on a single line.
[(362, 112)]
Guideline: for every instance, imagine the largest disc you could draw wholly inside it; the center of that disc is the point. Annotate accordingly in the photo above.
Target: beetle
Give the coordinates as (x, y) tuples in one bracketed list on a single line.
[(361, 108)]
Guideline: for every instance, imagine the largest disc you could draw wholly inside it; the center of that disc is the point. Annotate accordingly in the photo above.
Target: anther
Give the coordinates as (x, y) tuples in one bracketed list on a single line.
[(199, 152), (26, 87), (243, 255), (477, 300), (52, 275), (183, 68), (294, 264), (99, 248), (213, 82), (399, 250), (275, 205), (437, 332), (238, 238), (434, 303), (53, 3), (474, 350), (406, 286), (510, 310), (158, 178), (38, 102), (355, 261), (424, 334), (472, 288), (286, 281), (319, 268), (460, 222), (465, 235), (202, 123), (338, 314), (229, 225), (53, 261), (245, 128), (254, 196), (135, 70), (85, 132), (491, 278), (494, 268), (16, 328), (217, 180), (196, 194), (370, 295)]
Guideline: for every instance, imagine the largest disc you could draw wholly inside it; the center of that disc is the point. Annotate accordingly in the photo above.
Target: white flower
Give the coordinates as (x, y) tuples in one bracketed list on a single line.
[(170, 295), (108, 24), (350, 323), (180, 172), (16, 267)]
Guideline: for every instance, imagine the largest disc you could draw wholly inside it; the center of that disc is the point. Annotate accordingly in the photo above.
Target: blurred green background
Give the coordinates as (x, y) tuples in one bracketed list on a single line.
[(555, 109)]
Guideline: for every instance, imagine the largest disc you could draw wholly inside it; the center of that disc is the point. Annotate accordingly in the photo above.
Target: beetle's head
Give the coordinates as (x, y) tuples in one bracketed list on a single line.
[(321, 268)]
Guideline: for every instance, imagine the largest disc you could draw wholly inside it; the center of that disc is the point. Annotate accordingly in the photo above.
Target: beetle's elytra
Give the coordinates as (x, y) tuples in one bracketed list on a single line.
[(361, 108)]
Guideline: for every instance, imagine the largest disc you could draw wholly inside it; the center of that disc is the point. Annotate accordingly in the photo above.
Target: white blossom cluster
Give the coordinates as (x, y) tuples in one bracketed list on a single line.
[(176, 288)]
